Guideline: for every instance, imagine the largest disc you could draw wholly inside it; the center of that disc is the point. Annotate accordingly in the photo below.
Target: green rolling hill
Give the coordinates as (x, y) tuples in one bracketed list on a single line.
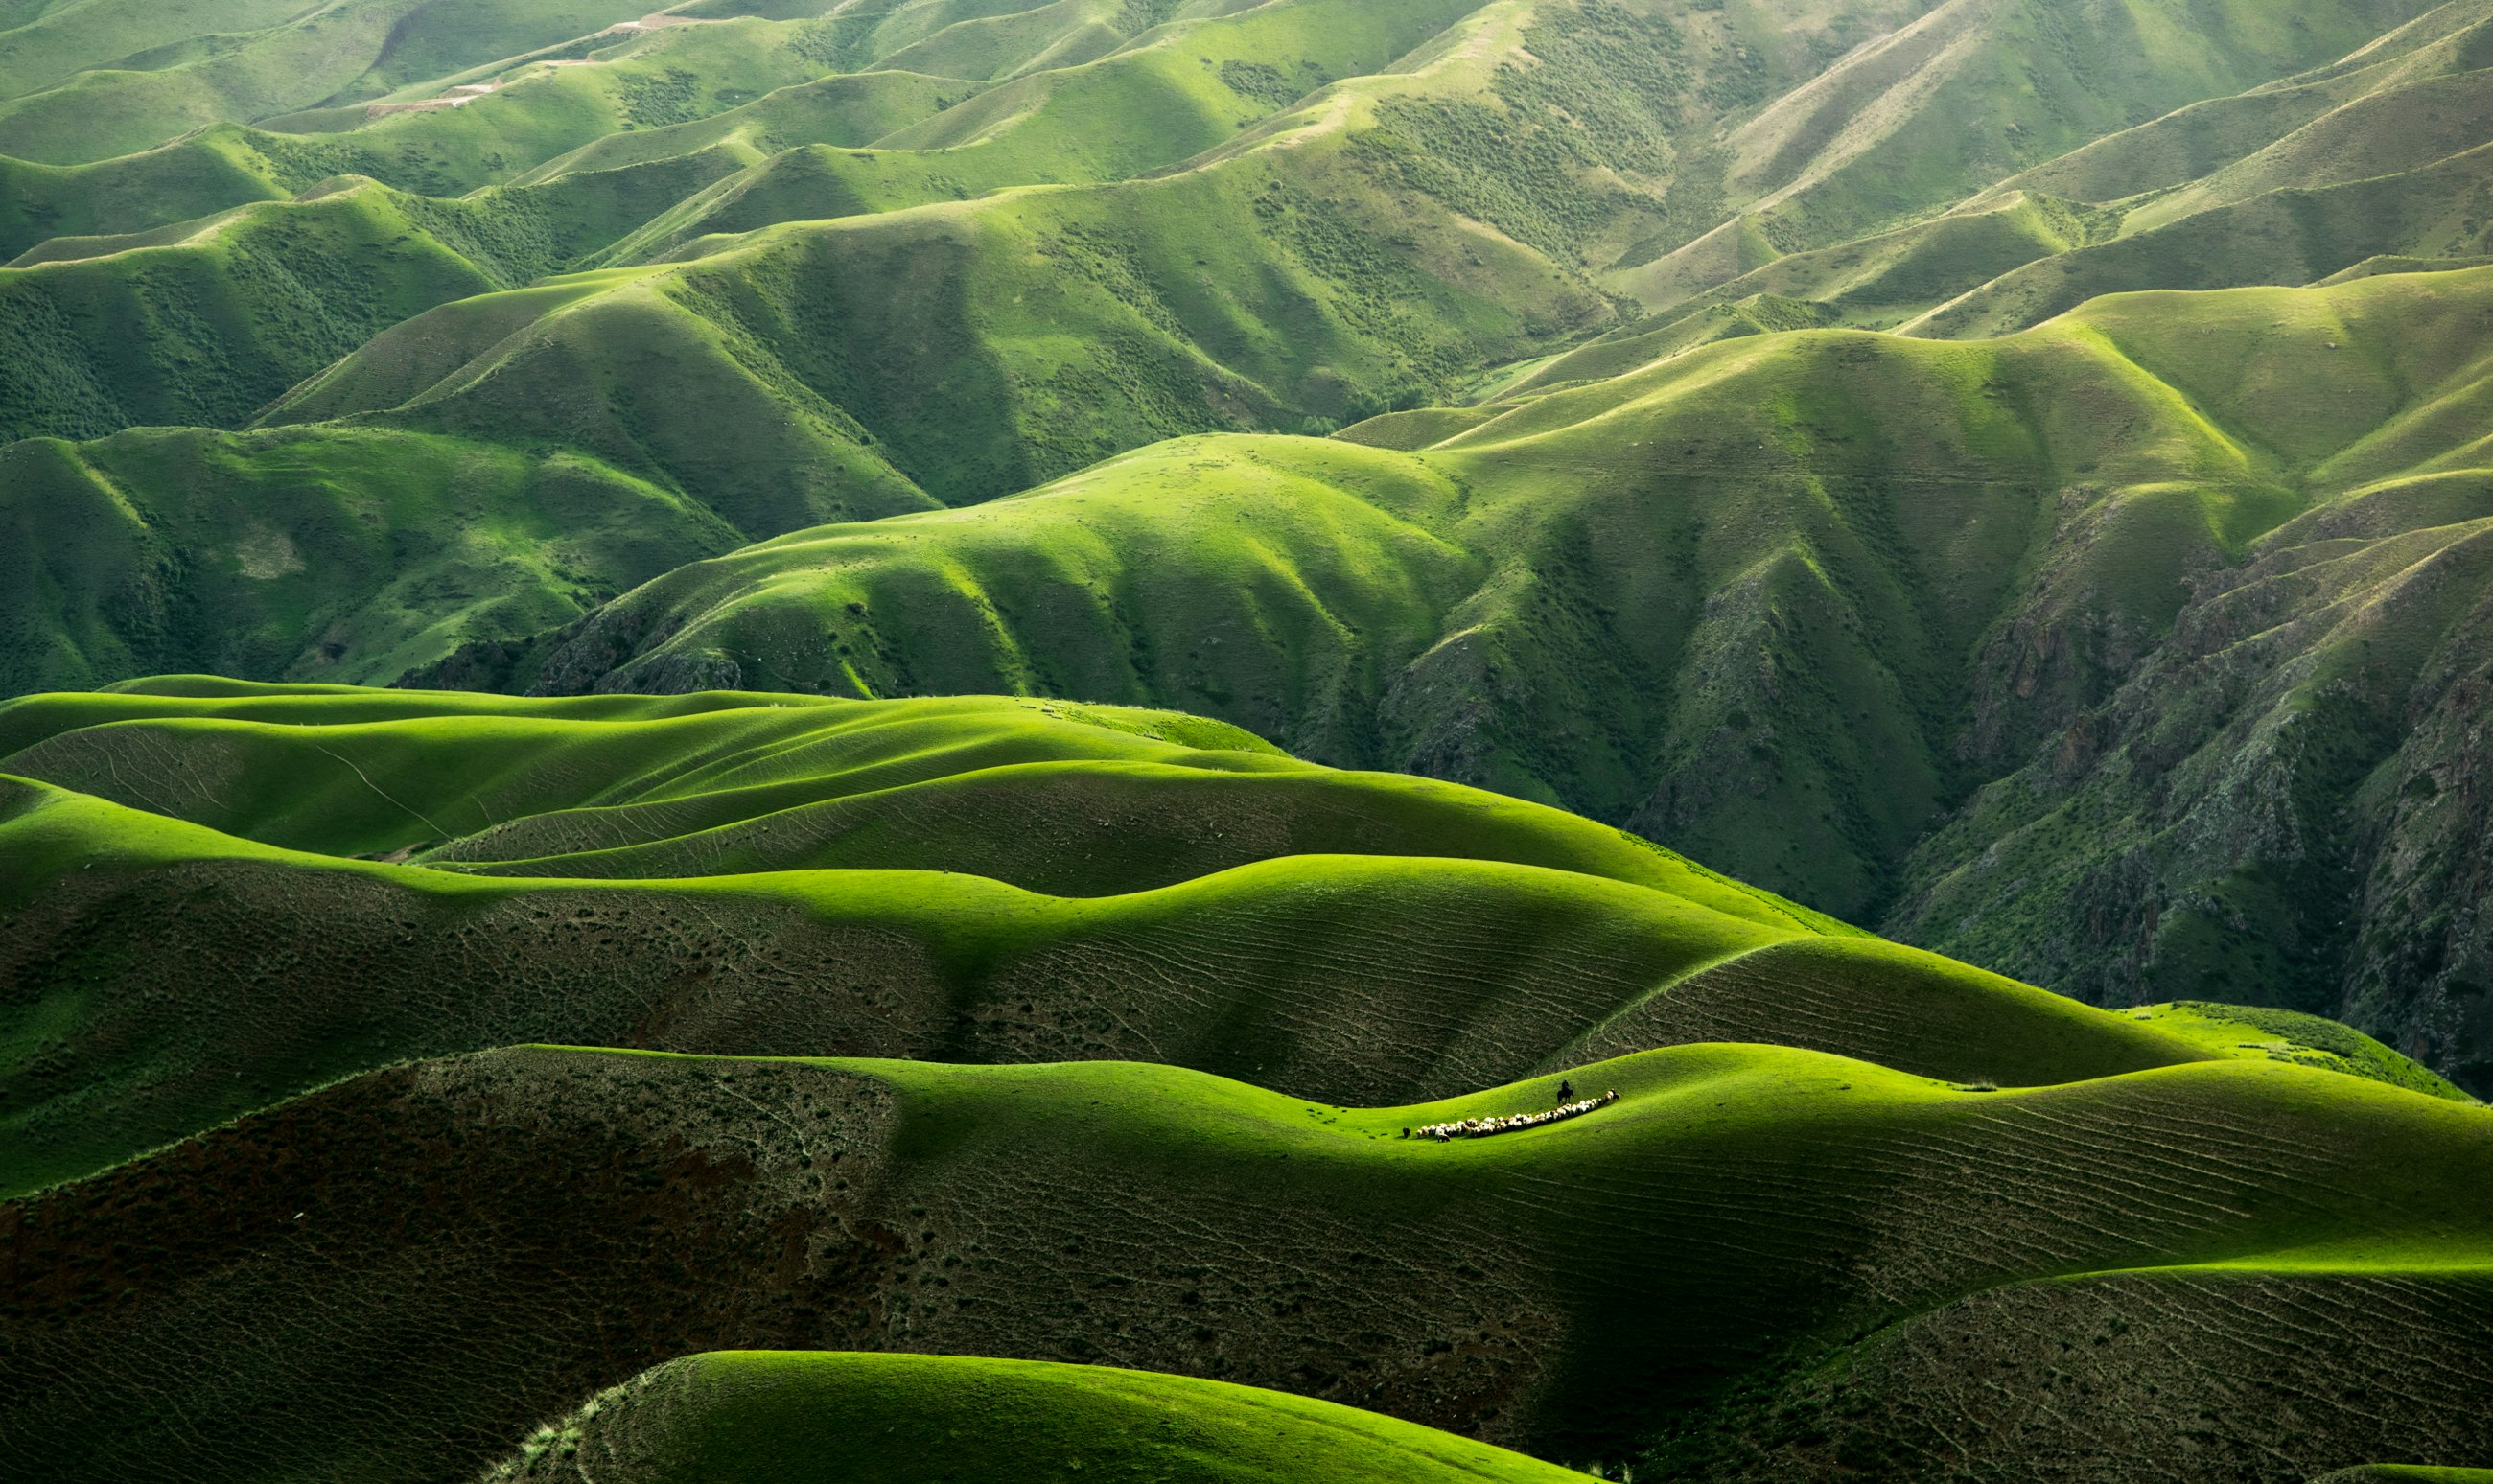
[(105, 77), (1019, 633), (1760, 551), (206, 322), (989, 880), (1076, 924), (1297, 214), (2287, 184)]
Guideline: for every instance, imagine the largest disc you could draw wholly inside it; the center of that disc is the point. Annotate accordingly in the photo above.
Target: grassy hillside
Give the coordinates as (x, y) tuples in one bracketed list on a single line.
[(359, 553), (108, 77), (2009, 473), (985, 879), (1872, 573), (2291, 1243), (2288, 183), (205, 322), (1381, 201), (1968, 94), (900, 1420)]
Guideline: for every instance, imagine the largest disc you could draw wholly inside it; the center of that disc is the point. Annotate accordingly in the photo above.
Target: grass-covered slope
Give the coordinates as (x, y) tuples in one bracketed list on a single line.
[(402, 1276), (386, 1075), (106, 77), (356, 553), (206, 322), (1782, 600), (1380, 201), (1969, 93), (981, 880), (262, 942), (779, 1417), (2289, 183)]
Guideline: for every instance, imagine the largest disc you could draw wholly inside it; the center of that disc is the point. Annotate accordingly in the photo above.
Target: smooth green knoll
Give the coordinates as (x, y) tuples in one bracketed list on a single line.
[(970, 879), (404, 1276), (798, 1418)]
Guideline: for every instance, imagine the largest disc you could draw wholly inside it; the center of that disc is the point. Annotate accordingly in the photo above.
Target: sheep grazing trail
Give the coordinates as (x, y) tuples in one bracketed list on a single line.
[(1483, 1128)]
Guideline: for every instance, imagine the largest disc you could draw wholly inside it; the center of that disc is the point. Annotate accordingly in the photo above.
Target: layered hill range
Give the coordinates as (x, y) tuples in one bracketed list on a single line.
[(1772, 474), (411, 1085)]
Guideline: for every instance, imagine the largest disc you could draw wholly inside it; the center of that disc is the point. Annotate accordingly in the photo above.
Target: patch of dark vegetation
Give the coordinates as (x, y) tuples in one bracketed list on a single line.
[(1272, 86), (655, 99), (1609, 78)]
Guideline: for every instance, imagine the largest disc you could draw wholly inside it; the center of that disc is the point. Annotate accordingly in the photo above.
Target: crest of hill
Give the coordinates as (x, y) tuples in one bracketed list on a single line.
[(1607, 1289), (206, 322), (107, 77), (213, 526), (1014, 338), (974, 396), (1178, 89)]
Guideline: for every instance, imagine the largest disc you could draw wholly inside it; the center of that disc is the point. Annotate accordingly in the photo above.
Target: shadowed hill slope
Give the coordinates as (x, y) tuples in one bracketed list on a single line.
[(355, 553), (1576, 1289), (907, 1419), (208, 322), (403, 1261)]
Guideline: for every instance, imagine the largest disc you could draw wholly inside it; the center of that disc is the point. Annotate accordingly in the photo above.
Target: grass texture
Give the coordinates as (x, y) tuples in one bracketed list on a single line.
[(2010, 473)]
